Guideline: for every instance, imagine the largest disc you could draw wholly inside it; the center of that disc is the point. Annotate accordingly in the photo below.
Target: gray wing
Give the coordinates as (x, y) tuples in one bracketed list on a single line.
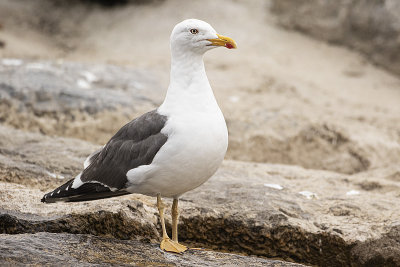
[(135, 144)]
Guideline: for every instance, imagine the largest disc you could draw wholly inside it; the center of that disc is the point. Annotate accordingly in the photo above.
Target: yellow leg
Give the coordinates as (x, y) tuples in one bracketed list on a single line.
[(166, 243), (161, 206), (175, 217)]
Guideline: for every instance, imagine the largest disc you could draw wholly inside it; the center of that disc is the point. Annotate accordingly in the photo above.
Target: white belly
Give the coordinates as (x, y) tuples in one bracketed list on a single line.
[(195, 148)]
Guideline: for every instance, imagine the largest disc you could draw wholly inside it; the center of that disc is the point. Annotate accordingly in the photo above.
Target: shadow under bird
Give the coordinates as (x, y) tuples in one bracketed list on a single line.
[(168, 151)]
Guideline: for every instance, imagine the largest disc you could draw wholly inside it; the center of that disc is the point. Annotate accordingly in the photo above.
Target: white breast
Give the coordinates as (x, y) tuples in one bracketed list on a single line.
[(196, 146)]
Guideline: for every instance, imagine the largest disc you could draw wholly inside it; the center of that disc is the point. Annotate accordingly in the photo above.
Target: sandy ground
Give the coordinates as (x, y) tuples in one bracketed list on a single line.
[(278, 91)]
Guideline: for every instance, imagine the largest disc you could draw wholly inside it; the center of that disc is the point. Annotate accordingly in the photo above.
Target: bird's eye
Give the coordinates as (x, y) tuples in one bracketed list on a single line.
[(194, 31)]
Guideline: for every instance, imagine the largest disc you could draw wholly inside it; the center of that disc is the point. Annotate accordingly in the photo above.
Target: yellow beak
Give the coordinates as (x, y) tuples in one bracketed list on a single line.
[(223, 41)]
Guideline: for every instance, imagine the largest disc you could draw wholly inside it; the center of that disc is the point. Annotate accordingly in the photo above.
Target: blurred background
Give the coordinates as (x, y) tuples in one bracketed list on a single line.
[(288, 98)]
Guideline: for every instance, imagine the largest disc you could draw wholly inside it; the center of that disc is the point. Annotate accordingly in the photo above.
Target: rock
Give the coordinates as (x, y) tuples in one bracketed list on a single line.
[(88, 250), (270, 210), (384, 251), (371, 27), (334, 225), (71, 99), (37, 160)]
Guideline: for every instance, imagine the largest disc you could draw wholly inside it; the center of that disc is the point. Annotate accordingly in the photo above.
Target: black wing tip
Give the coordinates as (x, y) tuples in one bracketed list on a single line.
[(58, 193), (86, 192), (46, 199)]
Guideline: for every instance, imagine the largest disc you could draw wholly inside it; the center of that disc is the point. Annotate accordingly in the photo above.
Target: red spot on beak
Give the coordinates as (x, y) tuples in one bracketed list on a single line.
[(228, 45)]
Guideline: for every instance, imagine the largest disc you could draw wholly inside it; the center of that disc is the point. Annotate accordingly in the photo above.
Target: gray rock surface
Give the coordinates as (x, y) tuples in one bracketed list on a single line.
[(318, 217), (46, 87), (371, 27), (73, 99), (87, 250)]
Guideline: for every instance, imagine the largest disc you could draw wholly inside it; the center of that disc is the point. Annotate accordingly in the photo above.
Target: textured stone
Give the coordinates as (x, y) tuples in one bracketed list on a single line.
[(87, 250), (317, 217), (72, 99), (45, 87), (37, 160)]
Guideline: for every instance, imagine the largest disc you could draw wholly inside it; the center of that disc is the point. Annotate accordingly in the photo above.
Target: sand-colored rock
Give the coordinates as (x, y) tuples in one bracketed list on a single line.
[(318, 217), (37, 160)]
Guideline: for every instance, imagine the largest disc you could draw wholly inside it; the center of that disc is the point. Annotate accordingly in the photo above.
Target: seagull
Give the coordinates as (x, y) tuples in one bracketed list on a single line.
[(168, 151)]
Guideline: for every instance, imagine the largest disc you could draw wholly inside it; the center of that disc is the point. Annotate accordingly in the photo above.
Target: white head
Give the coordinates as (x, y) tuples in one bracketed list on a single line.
[(197, 36)]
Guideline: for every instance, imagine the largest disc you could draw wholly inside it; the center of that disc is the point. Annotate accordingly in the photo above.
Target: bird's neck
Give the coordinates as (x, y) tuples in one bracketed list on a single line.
[(189, 87), (187, 70)]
